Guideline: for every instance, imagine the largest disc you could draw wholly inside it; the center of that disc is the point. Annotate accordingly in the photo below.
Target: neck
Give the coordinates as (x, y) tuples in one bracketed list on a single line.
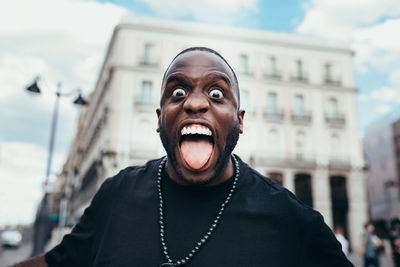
[(226, 173)]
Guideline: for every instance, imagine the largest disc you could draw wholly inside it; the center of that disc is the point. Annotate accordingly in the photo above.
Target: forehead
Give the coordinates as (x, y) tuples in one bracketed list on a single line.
[(199, 63)]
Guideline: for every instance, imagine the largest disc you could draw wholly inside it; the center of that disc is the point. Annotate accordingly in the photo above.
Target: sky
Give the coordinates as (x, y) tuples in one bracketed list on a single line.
[(65, 41)]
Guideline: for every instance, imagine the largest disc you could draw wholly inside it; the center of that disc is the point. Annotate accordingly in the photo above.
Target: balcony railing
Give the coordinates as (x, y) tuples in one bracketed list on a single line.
[(333, 82), (274, 116), (305, 117), (299, 160), (145, 106), (245, 72), (339, 163), (273, 76), (335, 120), (148, 62), (302, 79)]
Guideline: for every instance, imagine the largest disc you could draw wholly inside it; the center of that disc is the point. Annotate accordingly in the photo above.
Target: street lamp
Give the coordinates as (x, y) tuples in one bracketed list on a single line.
[(41, 222)]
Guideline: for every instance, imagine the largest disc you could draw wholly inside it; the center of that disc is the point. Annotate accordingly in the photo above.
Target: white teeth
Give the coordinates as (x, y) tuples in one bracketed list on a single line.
[(196, 130)]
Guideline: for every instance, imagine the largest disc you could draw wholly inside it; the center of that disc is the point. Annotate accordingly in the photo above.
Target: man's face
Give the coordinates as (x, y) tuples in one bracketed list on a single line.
[(199, 118)]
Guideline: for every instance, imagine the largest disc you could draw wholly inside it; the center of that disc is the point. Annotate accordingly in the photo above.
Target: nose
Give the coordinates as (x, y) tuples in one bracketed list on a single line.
[(196, 102)]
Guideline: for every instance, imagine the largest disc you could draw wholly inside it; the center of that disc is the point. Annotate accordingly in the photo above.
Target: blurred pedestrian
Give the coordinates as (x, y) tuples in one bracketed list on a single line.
[(394, 238), (339, 233), (370, 246)]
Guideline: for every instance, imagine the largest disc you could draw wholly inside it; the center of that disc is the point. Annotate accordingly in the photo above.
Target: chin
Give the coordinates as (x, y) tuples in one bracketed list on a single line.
[(195, 179), (207, 174)]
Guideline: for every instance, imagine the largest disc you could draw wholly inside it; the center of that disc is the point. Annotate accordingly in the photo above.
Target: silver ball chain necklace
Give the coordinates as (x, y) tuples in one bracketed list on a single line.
[(211, 229)]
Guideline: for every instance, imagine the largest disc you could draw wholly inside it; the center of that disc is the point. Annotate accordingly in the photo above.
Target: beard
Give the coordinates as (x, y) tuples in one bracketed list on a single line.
[(230, 141)]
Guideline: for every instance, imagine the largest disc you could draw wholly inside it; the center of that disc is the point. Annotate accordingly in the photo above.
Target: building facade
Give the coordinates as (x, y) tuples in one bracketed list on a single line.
[(300, 126), (382, 154)]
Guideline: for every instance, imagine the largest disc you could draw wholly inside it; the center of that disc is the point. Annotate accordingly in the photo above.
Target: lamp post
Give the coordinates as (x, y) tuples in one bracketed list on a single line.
[(41, 226)]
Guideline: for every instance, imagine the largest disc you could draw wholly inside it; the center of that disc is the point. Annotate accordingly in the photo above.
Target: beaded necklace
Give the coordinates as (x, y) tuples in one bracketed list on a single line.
[(211, 229)]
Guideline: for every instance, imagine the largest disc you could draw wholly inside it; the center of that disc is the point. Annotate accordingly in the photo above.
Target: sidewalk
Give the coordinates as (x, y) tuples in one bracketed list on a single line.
[(357, 261)]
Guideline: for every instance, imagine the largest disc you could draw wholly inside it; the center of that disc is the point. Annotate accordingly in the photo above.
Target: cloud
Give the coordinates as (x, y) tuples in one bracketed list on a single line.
[(222, 11), (56, 39), (394, 77), (22, 171), (60, 40), (383, 109), (368, 26), (383, 95), (378, 102), (387, 95)]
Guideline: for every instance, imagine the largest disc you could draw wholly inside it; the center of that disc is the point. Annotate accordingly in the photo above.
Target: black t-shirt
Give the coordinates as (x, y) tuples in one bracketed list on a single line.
[(263, 225)]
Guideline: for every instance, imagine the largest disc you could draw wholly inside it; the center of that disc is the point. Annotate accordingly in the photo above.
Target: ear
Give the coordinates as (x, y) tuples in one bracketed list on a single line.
[(240, 115), (158, 111)]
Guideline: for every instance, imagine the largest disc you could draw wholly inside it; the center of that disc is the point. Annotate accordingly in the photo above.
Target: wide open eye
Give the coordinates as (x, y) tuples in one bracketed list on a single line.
[(179, 92), (216, 93)]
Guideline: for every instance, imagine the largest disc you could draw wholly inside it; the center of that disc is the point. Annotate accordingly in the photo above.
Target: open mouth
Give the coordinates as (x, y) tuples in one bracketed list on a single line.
[(196, 145)]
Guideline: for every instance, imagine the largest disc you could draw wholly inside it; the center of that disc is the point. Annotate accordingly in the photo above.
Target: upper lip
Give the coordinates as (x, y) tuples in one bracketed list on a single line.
[(200, 122)]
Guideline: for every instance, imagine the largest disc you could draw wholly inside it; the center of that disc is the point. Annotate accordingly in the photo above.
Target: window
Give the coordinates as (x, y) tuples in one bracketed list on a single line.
[(272, 103), (333, 108), (298, 109), (328, 72), (272, 67), (299, 69), (147, 53), (303, 188), (146, 92), (243, 63), (244, 99)]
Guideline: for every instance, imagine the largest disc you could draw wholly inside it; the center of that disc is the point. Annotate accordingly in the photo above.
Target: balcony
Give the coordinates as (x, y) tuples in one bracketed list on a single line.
[(301, 79), (145, 106), (302, 160), (335, 120), (245, 72), (148, 62), (339, 163), (273, 76), (332, 82), (274, 116), (299, 160), (301, 118)]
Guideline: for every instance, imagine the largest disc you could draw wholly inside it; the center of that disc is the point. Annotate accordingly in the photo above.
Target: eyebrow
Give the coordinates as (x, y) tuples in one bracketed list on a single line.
[(178, 77), (220, 76)]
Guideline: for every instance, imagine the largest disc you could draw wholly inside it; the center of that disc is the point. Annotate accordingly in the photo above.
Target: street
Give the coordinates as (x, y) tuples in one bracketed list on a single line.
[(357, 261), (9, 256)]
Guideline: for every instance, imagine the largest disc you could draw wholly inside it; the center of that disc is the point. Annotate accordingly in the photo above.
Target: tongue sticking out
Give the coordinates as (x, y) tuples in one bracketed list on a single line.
[(196, 152)]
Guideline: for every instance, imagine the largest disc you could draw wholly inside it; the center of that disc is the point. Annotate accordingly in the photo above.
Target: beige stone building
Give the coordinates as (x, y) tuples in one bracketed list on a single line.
[(300, 122)]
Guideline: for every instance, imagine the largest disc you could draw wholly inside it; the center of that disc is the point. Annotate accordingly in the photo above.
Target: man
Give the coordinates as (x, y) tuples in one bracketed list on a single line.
[(369, 246), (200, 205), (339, 234)]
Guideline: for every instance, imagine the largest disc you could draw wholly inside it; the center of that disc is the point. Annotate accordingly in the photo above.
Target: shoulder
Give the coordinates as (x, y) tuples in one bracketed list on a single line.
[(129, 178), (133, 173), (274, 197)]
